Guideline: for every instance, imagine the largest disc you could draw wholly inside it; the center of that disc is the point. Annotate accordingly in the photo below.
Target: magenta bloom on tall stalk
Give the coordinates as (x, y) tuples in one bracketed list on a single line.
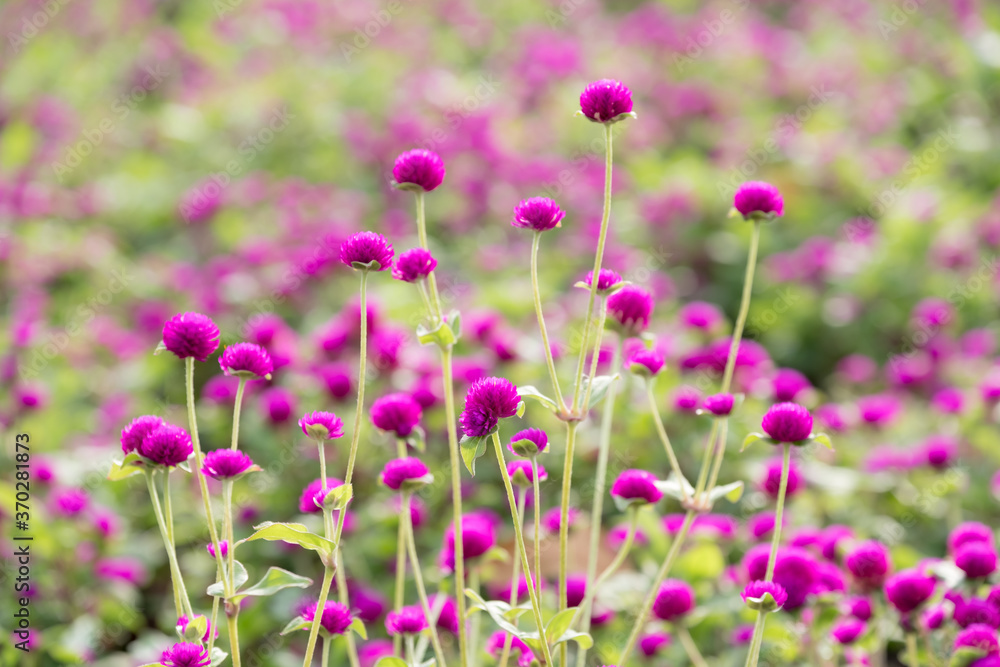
[(403, 472), (336, 618), (137, 430), (538, 213), (191, 335), (909, 589), (185, 655), (246, 360), (631, 307), (674, 599), (413, 265), (522, 472), (489, 400), (311, 500), (719, 405), (606, 279), (478, 537), (977, 559), (605, 101), (537, 440), (645, 362), (758, 200), (636, 486), (406, 621), (167, 445), (869, 564), (418, 169), (787, 422), (226, 463), (366, 250), (322, 425), (753, 595), (398, 413)]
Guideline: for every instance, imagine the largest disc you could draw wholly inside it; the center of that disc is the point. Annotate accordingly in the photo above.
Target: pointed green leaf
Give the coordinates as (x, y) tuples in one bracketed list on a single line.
[(496, 611), (441, 335), (292, 533), (128, 466), (560, 623), (297, 623), (218, 656), (731, 492), (601, 385), (672, 487), (823, 439), (583, 640), (750, 439), (520, 408), (528, 391), (515, 613), (338, 498), (454, 319), (417, 439), (275, 580), (358, 627), (496, 554), (390, 661), (195, 629), (240, 577), (472, 449)]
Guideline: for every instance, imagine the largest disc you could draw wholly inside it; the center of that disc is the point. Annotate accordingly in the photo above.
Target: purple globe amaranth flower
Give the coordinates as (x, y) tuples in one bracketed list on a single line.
[(908, 589), (522, 472), (788, 383), (700, 315), (71, 502), (322, 425), (787, 422), (184, 654), (246, 360), (406, 621), (496, 642), (398, 413), (973, 611), (794, 569), (720, 405), (413, 265), (636, 486), (537, 442), (226, 463), (758, 200), (645, 362), (418, 169), (686, 399), (653, 643), (137, 430), (488, 401), (191, 335), (967, 532), (753, 595), (448, 618), (976, 559), (940, 451), (167, 445), (364, 248), (980, 637), (403, 472), (934, 617), (630, 308), (606, 279), (771, 484), (605, 101), (869, 564), (846, 631), (336, 617), (223, 547), (552, 519), (478, 537), (311, 500), (368, 604), (538, 213), (674, 599)]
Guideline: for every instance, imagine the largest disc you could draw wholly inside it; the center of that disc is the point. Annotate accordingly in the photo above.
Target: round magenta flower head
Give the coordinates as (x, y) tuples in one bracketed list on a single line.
[(869, 563), (227, 463), (674, 599), (720, 405), (630, 309), (787, 422), (413, 265), (167, 445), (398, 413), (756, 200), (311, 500), (976, 559), (137, 430), (522, 472), (635, 487), (645, 362), (973, 611), (847, 631), (771, 484), (909, 589), (322, 426), (979, 637), (406, 621), (223, 547), (366, 250), (653, 643), (478, 537), (529, 442), (764, 595), (246, 360), (336, 618), (606, 101), (191, 335), (408, 473), (489, 400), (701, 315), (185, 655), (608, 281), (970, 531), (538, 213), (419, 169)]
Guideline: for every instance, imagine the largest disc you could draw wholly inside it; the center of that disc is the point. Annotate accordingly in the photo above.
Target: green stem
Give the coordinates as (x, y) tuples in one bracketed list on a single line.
[(456, 500), (325, 659), (690, 647), (756, 641), (519, 535), (398, 599), (236, 412), (324, 592), (549, 361), (707, 459), (515, 576), (912, 658), (647, 605), (175, 570), (341, 578), (598, 258), (215, 615), (585, 608), (232, 611), (720, 450), (600, 480), (537, 506), (411, 655), (596, 354), (422, 234), (474, 623), (658, 421), (418, 578), (170, 531), (234, 638), (564, 520), (741, 317)]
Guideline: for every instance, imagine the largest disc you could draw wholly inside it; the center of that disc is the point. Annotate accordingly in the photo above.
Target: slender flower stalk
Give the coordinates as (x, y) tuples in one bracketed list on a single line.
[(597, 349), (665, 439), (169, 512), (564, 524), (232, 610), (180, 592), (912, 657), (537, 505), (623, 551), (325, 657), (549, 361), (694, 655), (436, 311), (519, 535), (515, 577), (236, 413), (758, 637), (707, 459), (418, 578)]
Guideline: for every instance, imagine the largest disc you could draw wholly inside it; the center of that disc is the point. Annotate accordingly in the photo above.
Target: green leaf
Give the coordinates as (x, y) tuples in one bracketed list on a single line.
[(297, 623), (521, 408), (496, 554), (528, 391), (672, 487), (195, 630), (601, 385), (454, 319), (275, 580), (441, 335), (218, 656), (752, 438), (584, 640), (390, 661), (338, 498), (965, 655), (731, 492), (496, 611), (128, 466), (417, 439), (560, 623), (515, 613), (160, 348), (358, 627), (240, 574), (472, 449), (823, 439), (292, 533)]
